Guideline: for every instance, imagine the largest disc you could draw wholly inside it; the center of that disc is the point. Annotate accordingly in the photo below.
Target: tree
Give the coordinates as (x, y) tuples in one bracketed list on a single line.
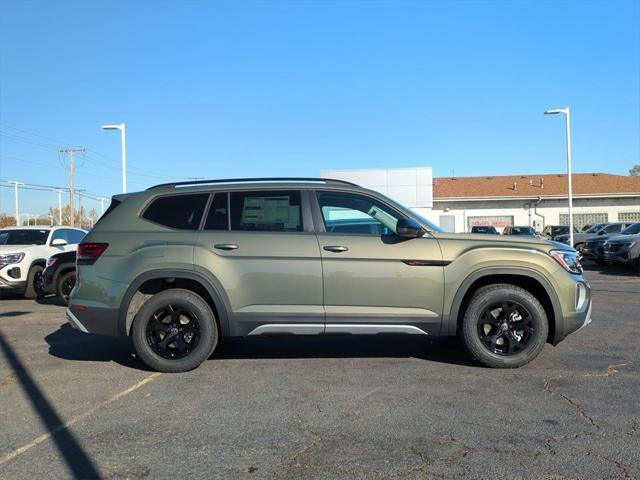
[(7, 220), (635, 170)]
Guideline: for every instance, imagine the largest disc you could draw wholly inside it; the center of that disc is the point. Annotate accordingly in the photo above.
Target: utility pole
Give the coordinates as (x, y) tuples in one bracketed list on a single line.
[(71, 151), (80, 206), (15, 188), (102, 199), (59, 206)]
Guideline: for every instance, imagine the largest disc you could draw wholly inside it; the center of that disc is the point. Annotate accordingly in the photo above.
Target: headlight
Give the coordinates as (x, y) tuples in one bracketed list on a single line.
[(9, 258), (568, 260), (52, 261), (627, 244)]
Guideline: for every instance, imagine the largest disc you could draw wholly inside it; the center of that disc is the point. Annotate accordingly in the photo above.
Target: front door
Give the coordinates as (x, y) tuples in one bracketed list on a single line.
[(259, 248), (374, 280)]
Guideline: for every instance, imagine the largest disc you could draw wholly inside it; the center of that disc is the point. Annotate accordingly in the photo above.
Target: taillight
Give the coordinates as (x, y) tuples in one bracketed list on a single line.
[(88, 253)]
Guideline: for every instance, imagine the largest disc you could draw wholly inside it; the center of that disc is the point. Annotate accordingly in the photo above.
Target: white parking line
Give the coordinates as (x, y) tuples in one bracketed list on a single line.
[(37, 441)]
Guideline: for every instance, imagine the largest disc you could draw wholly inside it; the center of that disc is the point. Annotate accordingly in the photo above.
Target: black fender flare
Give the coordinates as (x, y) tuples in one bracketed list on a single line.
[(220, 305), (451, 321), (65, 267)]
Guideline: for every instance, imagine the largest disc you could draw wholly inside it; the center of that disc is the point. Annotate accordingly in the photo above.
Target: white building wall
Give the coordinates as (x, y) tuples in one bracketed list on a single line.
[(412, 187), (523, 213)]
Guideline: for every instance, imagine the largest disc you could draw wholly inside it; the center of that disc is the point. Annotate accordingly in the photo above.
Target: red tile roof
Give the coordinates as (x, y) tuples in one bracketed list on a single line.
[(534, 185)]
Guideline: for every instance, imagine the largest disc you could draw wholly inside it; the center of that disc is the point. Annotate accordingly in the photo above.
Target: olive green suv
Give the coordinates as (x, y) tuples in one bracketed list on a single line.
[(180, 266)]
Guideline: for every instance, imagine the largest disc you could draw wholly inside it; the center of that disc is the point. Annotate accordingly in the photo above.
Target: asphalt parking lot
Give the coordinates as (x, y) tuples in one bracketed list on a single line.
[(74, 405)]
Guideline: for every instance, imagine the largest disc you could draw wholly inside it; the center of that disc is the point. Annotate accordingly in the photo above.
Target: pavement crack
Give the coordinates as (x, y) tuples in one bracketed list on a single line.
[(610, 371)]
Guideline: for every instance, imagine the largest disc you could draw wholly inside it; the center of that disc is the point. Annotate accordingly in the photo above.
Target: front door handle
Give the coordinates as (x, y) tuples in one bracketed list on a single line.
[(225, 246), (335, 248)]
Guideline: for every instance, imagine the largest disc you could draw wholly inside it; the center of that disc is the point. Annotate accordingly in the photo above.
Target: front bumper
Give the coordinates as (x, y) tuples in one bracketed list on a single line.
[(592, 251), (48, 277), (18, 286)]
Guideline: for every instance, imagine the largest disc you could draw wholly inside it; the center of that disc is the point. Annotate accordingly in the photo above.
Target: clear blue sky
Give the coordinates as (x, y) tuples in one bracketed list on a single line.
[(222, 89)]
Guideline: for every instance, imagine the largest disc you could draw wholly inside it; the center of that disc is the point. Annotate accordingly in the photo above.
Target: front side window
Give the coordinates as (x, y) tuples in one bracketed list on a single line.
[(356, 214), (60, 234), (266, 211), (182, 212), (75, 236)]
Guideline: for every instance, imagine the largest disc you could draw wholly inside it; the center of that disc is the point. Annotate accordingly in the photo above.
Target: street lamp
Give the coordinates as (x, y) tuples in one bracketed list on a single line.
[(567, 114), (122, 129)]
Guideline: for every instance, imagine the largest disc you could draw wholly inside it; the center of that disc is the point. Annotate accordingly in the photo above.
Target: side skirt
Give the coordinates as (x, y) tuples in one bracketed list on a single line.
[(334, 328)]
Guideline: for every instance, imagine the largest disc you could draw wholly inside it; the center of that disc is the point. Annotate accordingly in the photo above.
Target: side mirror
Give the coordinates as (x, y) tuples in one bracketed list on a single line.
[(58, 242), (408, 227)]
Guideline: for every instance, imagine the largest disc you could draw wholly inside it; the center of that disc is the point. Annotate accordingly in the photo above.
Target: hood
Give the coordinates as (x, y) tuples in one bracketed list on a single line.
[(18, 248), (617, 238), (506, 240)]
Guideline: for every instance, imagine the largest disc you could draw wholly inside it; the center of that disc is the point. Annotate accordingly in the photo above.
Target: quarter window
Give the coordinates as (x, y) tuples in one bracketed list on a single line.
[(266, 211), (356, 214), (75, 236), (182, 212)]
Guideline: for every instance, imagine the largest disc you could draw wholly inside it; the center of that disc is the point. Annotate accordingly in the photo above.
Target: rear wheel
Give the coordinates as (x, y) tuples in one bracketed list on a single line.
[(34, 282), (504, 326), (65, 285), (174, 331)]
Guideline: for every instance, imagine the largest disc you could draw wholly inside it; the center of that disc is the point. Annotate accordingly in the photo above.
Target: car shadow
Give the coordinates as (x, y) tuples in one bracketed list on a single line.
[(610, 269), (440, 350), (50, 300), (70, 344)]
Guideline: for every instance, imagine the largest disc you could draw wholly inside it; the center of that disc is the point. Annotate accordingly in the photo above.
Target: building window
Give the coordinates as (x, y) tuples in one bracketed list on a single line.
[(582, 219), (629, 217)]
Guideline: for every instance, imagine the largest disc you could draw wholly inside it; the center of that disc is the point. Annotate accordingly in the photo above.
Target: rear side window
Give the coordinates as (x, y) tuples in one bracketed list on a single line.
[(218, 216), (182, 212), (75, 236), (275, 211)]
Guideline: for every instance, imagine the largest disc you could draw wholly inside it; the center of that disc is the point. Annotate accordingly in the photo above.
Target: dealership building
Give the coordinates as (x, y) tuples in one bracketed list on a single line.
[(458, 203)]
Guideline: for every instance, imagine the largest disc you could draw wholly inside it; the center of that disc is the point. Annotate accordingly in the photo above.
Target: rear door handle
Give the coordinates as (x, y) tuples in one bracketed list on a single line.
[(225, 246), (335, 248)]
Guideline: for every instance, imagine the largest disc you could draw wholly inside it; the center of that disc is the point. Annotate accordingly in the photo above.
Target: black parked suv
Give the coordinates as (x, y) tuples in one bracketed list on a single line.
[(59, 277)]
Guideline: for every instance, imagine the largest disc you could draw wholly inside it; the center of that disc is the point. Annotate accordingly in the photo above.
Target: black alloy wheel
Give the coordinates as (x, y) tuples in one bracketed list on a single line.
[(173, 332), (505, 328)]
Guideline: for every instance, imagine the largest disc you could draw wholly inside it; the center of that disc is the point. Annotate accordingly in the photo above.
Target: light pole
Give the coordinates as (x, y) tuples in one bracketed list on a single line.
[(567, 115), (123, 133), (59, 206), (15, 188)]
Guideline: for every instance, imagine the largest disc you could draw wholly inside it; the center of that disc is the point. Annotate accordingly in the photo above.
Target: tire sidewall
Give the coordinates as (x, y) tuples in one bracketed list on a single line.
[(31, 291), (60, 284), (484, 298), (206, 320)]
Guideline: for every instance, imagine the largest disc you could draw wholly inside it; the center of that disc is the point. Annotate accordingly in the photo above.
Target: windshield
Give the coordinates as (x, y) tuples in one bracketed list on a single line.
[(431, 225), (595, 228), (23, 237), (632, 229), (522, 231)]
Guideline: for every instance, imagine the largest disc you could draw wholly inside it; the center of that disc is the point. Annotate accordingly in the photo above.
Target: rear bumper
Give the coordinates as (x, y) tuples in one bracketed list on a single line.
[(101, 321)]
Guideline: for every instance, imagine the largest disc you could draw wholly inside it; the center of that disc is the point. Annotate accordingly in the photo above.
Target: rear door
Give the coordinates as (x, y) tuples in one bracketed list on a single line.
[(259, 248), (372, 276)]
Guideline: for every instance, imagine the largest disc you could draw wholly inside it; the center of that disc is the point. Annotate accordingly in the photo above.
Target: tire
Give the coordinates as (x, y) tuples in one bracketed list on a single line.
[(525, 318), (174, 331), (34, 290), (65, 285)]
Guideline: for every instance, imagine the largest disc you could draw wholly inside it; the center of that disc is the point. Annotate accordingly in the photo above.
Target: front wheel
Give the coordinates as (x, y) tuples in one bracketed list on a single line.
[(174, 331), (34, 282), (504, 326)]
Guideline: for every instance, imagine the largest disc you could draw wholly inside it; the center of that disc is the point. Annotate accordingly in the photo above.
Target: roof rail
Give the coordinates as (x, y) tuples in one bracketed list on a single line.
[(256, 180)]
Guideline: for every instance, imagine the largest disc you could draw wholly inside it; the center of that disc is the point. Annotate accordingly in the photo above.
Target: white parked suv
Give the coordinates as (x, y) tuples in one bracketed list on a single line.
[(24, 252)]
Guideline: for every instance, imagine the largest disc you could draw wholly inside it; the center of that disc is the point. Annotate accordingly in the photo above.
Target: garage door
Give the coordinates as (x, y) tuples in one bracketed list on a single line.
[(495, 221)]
